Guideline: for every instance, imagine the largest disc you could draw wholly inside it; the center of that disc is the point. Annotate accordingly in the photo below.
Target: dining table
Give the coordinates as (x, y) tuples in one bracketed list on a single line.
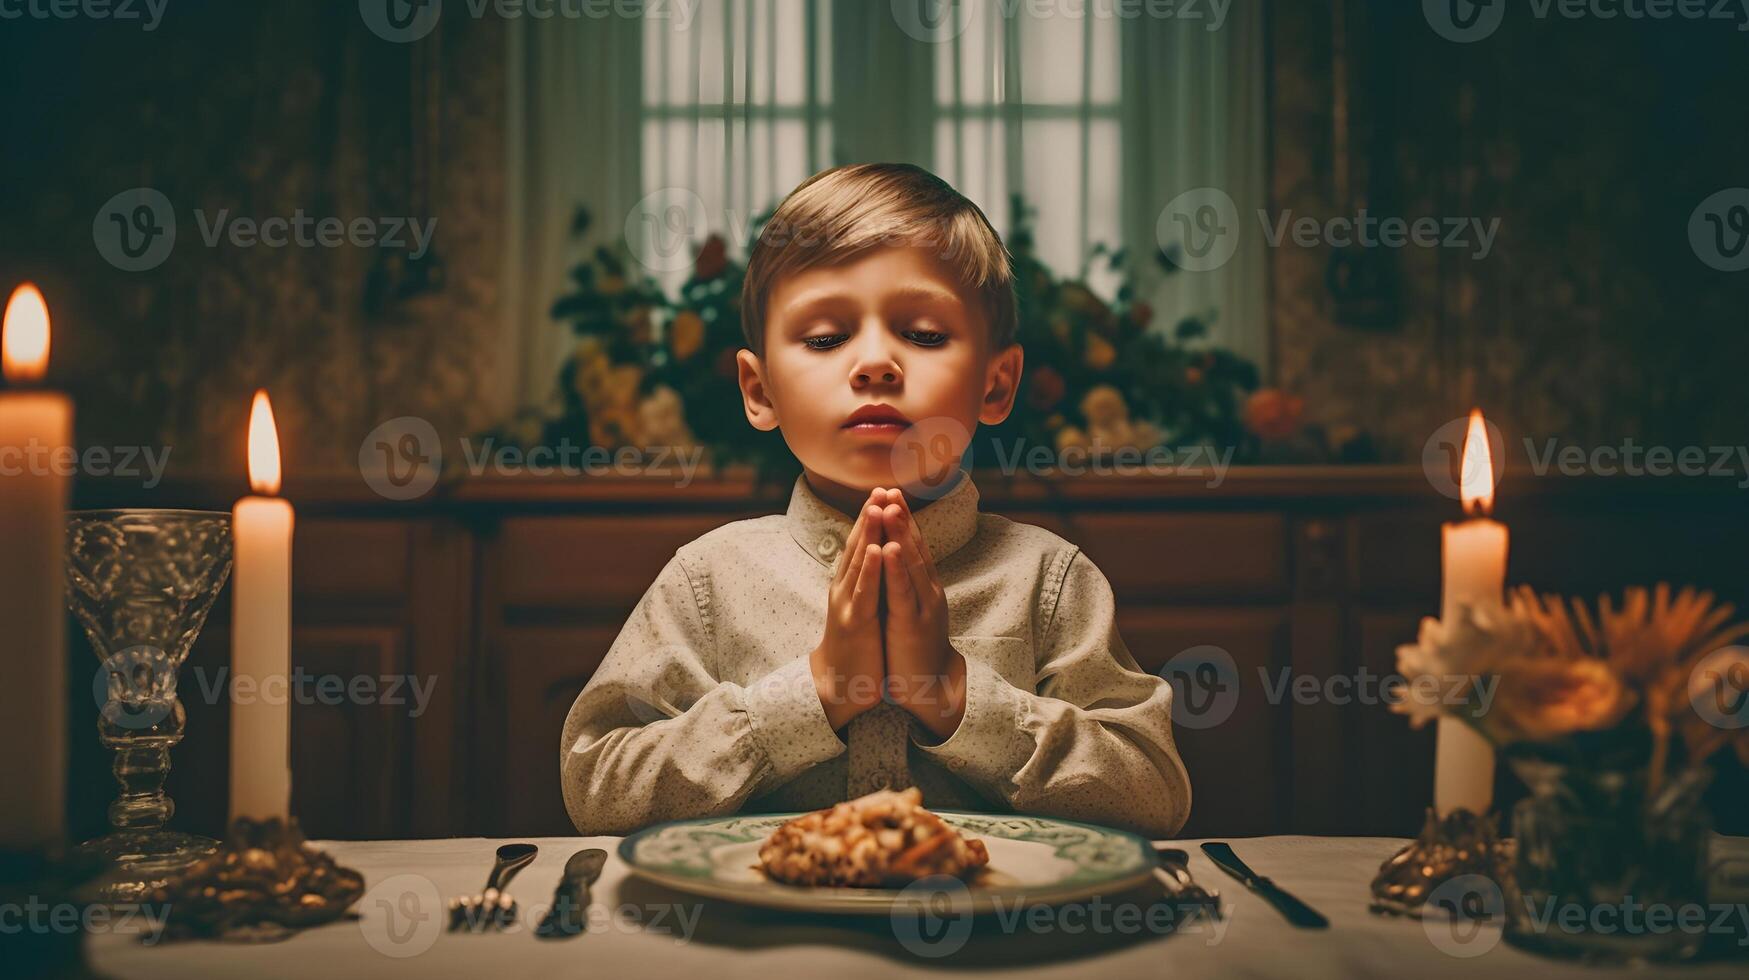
[(635, 927)]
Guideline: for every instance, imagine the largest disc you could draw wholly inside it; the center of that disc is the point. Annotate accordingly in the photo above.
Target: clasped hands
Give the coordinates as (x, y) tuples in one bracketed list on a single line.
[(886, 624)]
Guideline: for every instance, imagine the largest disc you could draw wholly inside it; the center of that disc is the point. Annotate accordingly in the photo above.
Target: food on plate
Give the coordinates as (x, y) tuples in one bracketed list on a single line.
[(882, 839)]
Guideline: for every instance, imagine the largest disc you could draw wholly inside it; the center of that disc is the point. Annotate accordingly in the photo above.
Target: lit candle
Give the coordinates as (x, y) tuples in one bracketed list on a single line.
[(36, 436), (1474, 571), (261, 526)]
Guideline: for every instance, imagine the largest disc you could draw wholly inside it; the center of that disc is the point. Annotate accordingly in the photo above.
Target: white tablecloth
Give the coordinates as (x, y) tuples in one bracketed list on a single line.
[(653, 931)]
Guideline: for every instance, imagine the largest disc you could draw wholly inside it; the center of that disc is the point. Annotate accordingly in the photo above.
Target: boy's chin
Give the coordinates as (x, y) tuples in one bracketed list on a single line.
[(916, 483), (929, 486)]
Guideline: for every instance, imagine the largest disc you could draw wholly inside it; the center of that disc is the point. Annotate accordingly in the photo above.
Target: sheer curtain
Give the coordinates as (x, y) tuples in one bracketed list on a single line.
[(668, 130)]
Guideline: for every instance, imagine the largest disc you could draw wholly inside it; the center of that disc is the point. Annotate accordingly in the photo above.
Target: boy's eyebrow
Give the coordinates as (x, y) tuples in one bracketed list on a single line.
[(913, 293)]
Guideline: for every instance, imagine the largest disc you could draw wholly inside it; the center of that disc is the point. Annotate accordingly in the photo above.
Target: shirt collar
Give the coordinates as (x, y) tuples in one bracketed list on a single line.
[(820, 528)]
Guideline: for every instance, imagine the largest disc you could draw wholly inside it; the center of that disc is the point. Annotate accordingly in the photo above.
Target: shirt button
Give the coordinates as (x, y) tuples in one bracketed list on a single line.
[(829, 546)]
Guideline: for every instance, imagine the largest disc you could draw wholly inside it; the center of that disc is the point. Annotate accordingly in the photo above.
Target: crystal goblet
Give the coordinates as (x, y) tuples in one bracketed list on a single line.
[(141, 582)]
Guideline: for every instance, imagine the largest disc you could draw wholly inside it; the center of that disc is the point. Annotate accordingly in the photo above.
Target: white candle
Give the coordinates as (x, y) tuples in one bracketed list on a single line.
[(1473, 570), (36, 427), (261, 528)]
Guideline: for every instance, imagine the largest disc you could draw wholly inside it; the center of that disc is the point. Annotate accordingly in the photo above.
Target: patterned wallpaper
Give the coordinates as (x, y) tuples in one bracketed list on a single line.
[(258, 110), (1592, 142)]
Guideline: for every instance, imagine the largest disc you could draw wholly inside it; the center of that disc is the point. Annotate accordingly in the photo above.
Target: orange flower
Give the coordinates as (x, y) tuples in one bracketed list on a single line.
[(1100, 353), (685, 335), (1543, 698), (1273, 414), (1141, 314)]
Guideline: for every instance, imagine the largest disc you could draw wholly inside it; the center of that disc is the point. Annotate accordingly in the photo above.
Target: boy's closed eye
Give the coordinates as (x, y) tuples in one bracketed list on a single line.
[(922, 337)]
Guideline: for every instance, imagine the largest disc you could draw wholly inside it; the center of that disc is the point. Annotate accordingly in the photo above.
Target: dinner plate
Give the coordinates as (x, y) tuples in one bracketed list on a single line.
[(1033, 861)]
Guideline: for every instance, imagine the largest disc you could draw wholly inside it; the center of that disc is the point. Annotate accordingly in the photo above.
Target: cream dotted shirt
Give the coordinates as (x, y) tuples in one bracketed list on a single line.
[(705, 705)]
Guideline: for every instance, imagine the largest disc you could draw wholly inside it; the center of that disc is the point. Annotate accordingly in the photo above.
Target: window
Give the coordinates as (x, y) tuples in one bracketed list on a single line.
[(1050, 132), (736, 113)]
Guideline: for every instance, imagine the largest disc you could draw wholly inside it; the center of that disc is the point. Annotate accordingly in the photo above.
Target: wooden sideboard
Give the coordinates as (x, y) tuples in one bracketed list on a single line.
[(501, 595)]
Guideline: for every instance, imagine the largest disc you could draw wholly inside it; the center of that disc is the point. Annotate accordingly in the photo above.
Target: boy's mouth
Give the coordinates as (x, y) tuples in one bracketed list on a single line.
[(877, 420)]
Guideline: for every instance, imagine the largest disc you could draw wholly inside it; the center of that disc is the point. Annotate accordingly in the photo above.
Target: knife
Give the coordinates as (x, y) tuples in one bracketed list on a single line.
[(570, 905), (1296, 911)]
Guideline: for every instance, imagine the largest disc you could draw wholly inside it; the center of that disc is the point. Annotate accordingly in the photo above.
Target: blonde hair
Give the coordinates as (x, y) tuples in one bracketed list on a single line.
[(840, 213)]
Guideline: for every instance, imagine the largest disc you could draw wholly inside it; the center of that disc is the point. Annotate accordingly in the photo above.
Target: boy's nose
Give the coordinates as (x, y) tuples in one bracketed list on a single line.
[(871, 374), (875, 365)]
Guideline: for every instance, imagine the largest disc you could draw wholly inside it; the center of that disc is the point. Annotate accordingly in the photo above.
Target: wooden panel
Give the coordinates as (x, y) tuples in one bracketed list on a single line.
[(349, 769), (1395, 763), (1232, 740), (544, 670), (351, 560), (593, 562), (1159, 557), (442, 598), (1394, 554)]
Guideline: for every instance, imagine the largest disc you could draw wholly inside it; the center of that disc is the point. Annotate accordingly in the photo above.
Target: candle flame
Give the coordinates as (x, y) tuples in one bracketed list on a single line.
[(24, 338), (263, 447), (1478, 468)]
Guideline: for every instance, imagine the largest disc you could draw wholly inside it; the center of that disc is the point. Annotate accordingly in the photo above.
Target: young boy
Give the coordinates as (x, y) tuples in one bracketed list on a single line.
[(881, 631)]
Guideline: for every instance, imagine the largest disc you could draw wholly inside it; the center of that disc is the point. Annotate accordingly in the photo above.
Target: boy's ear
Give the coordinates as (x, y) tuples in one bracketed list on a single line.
[(750, 374), (1001, 384)]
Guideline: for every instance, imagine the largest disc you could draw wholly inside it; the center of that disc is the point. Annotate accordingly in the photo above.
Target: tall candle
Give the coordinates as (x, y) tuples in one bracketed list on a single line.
[(36, 427), (1474, 571), (261, 526)]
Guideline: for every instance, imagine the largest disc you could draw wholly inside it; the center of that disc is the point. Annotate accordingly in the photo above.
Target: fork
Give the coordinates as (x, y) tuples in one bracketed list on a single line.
[(1174, 864), (493, 908)]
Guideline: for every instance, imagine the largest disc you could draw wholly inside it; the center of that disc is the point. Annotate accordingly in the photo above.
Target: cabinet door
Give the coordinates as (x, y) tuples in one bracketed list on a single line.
[(555, 594), (1233, 741)]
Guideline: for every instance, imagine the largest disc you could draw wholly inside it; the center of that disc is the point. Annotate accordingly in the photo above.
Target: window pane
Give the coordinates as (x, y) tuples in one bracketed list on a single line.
[(977, 52), (1051, 52), (981, 173), (1104, 199), (1052, 149)]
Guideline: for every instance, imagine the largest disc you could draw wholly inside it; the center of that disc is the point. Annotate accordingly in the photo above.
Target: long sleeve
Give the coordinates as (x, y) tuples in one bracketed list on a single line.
[(1093, 742), (656, 736)]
